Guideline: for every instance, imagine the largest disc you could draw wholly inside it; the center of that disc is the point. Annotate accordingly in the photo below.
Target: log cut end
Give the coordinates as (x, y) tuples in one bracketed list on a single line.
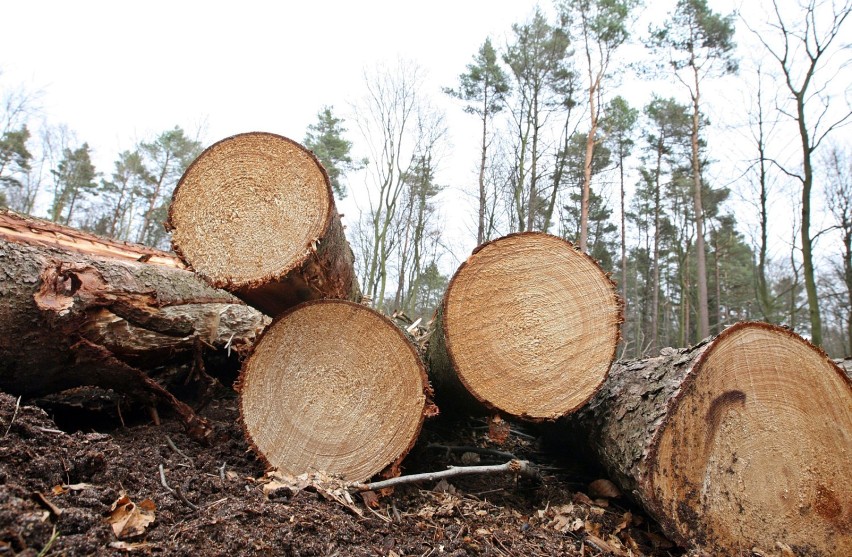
[(757, 448), (249, 209), (531, 325), (333, 386)]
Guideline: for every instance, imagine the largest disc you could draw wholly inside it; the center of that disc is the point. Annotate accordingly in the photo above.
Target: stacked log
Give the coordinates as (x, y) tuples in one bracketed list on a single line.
[(528, 328), (333, 386), (742, 442), (254, 214), (76, 309)]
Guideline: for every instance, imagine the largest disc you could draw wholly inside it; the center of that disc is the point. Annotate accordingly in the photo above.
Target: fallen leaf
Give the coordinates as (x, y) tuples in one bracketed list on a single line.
[(470, 458), (77, 487), (65, 488), (582, 498), (498, 430), (604, 488), (370, 499), (128, 519), (444, 486), (626, 520), (593, 528)]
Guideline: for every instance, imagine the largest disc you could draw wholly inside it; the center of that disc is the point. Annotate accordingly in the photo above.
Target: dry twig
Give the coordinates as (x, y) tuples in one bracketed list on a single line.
[(176, 491), (14, 415), (471, 449), (519, 467), (173, 447)]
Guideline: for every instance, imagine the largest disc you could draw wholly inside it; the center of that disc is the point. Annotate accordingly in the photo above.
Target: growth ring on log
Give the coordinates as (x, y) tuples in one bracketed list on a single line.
[(333, 386), (757, 447), (531, 325), (255, 214)]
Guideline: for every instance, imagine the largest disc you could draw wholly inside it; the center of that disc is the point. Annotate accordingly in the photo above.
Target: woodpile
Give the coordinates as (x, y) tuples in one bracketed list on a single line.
[(528, 327), (740, 442)]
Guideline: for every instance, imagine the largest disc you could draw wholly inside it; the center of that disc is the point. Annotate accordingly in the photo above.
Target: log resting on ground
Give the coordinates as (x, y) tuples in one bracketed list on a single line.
[(334, 387), (255, 214), (528, 327), (741, 442), (76, 310)]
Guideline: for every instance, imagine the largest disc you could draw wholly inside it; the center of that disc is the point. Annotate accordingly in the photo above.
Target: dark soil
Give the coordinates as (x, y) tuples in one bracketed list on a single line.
[(57, 489)]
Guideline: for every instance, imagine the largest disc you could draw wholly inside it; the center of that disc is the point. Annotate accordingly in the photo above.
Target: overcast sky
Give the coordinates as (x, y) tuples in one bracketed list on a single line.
[(119, 72)]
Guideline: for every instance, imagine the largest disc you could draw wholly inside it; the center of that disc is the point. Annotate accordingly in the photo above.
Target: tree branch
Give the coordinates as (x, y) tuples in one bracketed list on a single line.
[(517, 467)]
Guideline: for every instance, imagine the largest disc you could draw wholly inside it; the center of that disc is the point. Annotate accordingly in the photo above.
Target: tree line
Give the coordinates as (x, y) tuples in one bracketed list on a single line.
[(562, 148)]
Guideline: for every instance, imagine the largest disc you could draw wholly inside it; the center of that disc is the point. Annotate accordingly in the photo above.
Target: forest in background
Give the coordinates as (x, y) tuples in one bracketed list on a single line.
[(563, 148)]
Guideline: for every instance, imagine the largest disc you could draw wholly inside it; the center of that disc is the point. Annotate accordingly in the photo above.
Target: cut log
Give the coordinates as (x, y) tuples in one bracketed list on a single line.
[(334, 387), (743, 441), (255, 214), (76, 309), (528, 327)]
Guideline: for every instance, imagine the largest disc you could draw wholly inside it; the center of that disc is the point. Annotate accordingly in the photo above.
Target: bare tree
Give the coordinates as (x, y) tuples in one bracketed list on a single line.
[(838, 165), (761, 129), (802, 45), (398, 126)]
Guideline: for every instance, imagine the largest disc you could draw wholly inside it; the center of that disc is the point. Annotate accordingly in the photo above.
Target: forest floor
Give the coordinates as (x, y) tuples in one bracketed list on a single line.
[(72, 484)]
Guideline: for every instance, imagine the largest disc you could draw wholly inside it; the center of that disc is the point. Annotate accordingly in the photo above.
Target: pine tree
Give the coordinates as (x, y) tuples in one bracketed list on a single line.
[(699, 44), (74, 179), (484, 87), (325, 139)]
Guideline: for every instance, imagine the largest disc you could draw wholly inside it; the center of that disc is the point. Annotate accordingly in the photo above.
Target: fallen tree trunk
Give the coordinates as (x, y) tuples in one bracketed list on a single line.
[(255, 214), (335, 387), (528, 327), (79, 310), (743, 441)]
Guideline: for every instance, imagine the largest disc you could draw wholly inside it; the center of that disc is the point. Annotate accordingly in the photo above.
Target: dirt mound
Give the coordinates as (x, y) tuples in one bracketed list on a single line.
[(68, 493)]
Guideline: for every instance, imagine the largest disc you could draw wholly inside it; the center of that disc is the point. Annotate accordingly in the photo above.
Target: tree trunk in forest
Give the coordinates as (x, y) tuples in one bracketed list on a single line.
[(255, 214), (698, 207), (528, 327), (333, 386), (79, 310), (741, 442)]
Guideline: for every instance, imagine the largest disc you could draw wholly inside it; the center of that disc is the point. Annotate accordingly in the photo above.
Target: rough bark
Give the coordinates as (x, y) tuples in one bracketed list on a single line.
[(79, 310), (528, 327), (336, 387), (255, 214), (739, 442)]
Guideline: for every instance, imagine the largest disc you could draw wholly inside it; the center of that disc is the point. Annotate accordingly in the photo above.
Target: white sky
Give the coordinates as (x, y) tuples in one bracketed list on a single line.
[(118, 72)]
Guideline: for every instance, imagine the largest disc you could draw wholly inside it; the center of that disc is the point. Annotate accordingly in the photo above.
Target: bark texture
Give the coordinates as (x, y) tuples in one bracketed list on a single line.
[(78, 310), (336, 387), (255, 214), (528, 327), (740, 442)]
